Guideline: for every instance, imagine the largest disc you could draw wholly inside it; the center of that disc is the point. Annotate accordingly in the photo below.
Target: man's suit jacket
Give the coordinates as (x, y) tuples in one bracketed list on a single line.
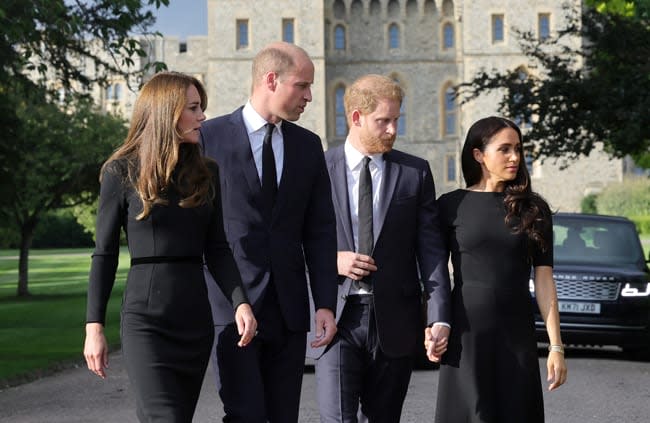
[(409, 244), (301, 229)]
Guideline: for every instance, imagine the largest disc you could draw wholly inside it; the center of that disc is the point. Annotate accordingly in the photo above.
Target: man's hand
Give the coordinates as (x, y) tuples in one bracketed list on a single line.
[(246, 324), (353, 265), (436, 339), (325, 327)]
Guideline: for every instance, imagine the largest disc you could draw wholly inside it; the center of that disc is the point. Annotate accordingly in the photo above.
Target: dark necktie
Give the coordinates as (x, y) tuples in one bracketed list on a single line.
[(269, 175), (365, 234)]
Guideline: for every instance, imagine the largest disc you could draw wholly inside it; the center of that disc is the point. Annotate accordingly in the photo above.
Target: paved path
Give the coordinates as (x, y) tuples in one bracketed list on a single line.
[(603, 387), (77, 396)]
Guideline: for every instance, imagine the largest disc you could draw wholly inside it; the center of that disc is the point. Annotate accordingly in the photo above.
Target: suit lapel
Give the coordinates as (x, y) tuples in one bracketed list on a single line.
[(242, 153), (340, 195), (391, 175)]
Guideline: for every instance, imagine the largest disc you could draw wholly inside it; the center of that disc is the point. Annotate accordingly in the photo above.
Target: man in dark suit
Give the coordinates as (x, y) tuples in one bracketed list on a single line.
[(278, 217), (390, 257)]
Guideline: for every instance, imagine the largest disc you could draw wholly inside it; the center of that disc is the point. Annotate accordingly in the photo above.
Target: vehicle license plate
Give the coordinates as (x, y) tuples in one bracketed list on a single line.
[(576, 307)]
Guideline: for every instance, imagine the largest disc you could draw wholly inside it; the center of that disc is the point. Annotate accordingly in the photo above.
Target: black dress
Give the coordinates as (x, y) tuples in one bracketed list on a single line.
[(166, 323), (490, 372)]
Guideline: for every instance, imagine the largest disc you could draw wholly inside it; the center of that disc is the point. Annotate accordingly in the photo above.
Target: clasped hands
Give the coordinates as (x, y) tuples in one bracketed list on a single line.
[(436, 339)]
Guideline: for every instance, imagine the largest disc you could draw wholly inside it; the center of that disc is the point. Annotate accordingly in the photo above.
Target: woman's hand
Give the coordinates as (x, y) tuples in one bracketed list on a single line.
[(96, 349), (246, 324), (556, 368)]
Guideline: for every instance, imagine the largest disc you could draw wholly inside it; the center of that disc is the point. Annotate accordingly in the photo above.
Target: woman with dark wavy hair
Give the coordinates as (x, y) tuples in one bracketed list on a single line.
[(160, 189), (497, 229)]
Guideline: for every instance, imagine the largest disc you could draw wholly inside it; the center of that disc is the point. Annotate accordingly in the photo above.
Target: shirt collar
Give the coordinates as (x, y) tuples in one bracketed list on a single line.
[(253, 121), (353, 157)]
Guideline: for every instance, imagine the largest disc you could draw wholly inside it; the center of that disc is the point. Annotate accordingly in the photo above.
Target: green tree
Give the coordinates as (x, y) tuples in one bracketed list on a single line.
[(58, 155), (595, 90), (50, 153), (52, 36)]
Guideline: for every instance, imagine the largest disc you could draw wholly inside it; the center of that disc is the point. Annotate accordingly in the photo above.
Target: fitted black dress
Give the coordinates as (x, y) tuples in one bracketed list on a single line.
[(490, 372), (166, 323)]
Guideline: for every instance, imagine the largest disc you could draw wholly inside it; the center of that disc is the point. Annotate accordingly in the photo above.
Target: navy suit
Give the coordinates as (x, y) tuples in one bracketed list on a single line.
[(409, 253), (271, 252)]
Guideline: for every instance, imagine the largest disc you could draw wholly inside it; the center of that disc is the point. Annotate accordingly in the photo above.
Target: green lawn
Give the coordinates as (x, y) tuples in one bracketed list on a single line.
[(46, 330)]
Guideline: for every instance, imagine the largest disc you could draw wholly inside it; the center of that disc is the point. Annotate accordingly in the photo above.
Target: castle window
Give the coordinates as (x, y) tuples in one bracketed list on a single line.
[(450, 165), (341, 124), (448, 36), (339, 37), (242, 33), (497, 29), (393, 36), (450, 112), (544, 25), (288, 30)]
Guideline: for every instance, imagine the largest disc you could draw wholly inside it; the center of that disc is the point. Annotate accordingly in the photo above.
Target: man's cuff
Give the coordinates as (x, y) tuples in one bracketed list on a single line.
[(441, 324)]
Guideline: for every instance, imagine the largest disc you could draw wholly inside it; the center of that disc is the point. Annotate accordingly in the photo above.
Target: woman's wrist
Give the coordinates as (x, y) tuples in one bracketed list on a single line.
[(559, 348)]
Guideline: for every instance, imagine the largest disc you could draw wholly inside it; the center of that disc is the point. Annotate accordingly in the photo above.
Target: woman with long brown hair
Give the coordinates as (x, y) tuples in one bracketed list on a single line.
[(497, 229), (160, 189)]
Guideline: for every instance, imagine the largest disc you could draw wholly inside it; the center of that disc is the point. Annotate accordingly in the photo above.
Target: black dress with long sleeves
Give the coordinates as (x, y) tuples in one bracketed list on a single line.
[(490, 372), (166, 322)]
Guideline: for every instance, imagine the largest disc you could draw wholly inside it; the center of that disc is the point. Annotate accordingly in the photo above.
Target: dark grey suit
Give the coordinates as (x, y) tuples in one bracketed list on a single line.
[(410, 254), (263, 380)]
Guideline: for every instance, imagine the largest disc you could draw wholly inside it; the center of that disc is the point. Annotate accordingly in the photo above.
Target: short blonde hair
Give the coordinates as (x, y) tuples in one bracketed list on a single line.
[(278, 57), (365, 93)]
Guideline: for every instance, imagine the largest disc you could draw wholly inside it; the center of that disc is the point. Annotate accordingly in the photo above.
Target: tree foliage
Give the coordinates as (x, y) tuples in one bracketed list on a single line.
[(51, 37), (51, 150), (591, 84), (57, 157)]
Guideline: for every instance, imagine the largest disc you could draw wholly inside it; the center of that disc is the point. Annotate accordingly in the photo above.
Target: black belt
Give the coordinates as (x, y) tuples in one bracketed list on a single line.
[(359, 299), (167, 259)]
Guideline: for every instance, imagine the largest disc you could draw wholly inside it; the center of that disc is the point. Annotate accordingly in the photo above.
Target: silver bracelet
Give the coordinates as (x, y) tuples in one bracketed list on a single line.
[(556, 348)]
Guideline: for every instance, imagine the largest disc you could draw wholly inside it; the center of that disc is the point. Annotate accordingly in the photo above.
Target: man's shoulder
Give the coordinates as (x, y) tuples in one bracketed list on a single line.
[(290, 129), (407, 159), (334, 153), (220, 121)]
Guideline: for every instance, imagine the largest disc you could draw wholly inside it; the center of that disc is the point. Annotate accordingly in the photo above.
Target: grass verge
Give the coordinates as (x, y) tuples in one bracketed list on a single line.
[(44, 332)]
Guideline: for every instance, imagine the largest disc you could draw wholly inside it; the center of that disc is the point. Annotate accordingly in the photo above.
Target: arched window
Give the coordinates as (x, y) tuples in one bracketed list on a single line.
[(450, 112), (393, 36), (448, 36), (340, 121), (339, 37)]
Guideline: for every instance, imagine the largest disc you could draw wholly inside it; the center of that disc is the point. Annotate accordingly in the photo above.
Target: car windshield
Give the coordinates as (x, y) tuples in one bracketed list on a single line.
[(595, 242)]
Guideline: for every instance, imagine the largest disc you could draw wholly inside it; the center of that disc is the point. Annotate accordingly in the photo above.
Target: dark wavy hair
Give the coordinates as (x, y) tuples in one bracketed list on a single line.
[(526, 211)]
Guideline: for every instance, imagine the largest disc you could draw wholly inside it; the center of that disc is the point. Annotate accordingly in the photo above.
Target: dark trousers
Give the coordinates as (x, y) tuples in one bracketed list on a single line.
[(354, 371), (261, 382)]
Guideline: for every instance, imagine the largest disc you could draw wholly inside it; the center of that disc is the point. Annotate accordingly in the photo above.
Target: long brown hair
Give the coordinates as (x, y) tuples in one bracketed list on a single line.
[(153, 150), (526, 211)]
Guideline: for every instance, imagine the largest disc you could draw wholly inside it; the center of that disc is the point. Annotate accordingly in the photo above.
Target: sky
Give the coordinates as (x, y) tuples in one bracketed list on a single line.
[(182, 18)]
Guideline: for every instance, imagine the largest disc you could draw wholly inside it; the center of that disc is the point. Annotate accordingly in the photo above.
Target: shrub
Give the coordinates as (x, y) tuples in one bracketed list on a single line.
[(588, 204), (59, 229), (628, 198)]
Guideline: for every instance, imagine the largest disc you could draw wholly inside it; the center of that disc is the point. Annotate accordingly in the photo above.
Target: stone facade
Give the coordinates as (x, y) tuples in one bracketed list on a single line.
[(426, 45)]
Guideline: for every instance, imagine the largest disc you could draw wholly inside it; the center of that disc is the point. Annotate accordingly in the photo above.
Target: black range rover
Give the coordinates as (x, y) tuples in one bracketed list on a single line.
[(602, 281)]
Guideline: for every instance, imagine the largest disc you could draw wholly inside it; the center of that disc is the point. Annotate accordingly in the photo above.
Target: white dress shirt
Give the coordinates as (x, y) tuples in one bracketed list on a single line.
[(353, 160), (255, 128)]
